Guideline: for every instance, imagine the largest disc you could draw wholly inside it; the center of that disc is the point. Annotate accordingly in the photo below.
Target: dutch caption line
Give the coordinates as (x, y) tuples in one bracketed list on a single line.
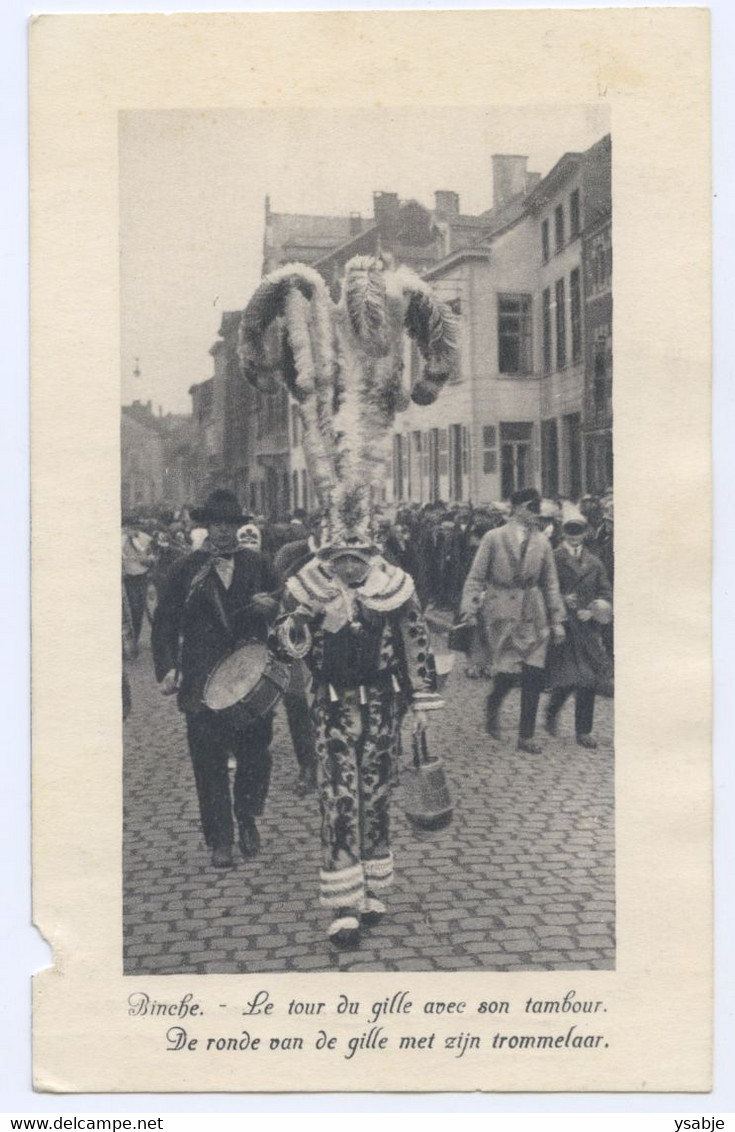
[(373, 1037)]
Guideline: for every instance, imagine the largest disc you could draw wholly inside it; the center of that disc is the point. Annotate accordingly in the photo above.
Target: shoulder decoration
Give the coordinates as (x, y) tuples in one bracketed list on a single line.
[(386, 588)]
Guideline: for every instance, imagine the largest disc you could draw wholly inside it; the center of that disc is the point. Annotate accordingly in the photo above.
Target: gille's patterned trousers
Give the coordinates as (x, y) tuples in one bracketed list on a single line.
[(355, 745)]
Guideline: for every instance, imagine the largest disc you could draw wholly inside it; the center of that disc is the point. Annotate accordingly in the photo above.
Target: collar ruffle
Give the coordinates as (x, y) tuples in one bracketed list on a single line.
[(384, 589)]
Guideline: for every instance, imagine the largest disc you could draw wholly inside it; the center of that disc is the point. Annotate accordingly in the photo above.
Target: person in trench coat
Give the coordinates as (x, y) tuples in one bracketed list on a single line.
[(513, 582), (582, 663)]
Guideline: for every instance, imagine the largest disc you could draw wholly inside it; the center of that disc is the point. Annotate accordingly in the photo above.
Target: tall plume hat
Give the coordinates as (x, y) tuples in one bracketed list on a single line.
[(343, 365)]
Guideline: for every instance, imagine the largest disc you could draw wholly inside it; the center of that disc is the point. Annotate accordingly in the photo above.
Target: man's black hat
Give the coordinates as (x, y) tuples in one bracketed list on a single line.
[(220, 507), (527, 497)]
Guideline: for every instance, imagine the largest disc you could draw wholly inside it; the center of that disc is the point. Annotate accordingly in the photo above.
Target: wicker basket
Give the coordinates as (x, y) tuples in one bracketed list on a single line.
[(427, 801)]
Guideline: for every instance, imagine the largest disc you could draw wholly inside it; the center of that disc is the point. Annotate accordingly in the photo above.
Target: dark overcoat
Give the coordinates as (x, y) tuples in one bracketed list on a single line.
[(582, 660), (198, 621), (458, 559), (601, 545)]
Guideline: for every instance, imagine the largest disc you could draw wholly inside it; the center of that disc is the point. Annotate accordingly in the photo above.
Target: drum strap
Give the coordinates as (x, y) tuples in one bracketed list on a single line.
[(217, 588), (207, 580)]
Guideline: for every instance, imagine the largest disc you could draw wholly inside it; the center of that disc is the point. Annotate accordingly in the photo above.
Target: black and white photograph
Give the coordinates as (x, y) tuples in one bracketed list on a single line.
[(367, 533), (385, 766)]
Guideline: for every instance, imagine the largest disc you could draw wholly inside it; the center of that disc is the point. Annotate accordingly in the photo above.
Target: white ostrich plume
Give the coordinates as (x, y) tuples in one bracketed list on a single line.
[(342, 364)]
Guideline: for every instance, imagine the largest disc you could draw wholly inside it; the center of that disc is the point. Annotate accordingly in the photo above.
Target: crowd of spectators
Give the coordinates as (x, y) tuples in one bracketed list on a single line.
[(434, 542)]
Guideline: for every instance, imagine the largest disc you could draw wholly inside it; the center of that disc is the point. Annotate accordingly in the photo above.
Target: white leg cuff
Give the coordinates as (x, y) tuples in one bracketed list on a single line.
[(379, 873), (342, 888)]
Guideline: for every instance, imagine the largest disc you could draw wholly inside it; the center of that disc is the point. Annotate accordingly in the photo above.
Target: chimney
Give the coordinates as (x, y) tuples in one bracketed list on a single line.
[(385, 209), (355, 223), (509, 178), (532, 179), (446, 204)]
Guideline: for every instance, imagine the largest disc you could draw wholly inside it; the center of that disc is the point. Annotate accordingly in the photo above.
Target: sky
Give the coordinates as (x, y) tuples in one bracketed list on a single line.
[(192, 202)]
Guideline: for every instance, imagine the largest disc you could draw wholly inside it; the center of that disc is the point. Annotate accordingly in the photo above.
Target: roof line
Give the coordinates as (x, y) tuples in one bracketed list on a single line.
[(317, 215), (538, 191), (504, 227), (472, 252), (345, 245)]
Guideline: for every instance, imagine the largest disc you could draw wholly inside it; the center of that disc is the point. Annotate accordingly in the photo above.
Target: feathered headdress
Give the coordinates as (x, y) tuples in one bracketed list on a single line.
[(343, 365)]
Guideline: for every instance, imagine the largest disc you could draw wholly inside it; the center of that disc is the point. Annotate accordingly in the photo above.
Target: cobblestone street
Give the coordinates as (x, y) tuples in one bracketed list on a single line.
[(523, 878)]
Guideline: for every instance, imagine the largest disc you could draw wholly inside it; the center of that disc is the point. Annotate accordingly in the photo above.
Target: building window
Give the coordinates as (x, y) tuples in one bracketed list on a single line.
[(599, 388), (514, 334), (489, 450), (561, 326), (407, 466), (574, 224), (546, 298), (398, 466), (295, 481), (516, 469), (295, 425), (599, 463), (599, 263), (425, 466), (559, 227), (545, 250), (281, 415), (572, 434), (206, 399), (259, 413), (549, 459), (455, 462), (415, 467), (304, 490), (443, 452), (575, 303), (210, 440)]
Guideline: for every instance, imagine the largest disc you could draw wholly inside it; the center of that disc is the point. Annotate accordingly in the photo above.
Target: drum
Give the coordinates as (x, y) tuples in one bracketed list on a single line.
[(246, 684)]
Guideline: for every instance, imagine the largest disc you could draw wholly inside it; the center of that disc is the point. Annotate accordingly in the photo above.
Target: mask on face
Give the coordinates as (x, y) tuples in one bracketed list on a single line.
[(249, 535), (350, 569), (223, 540)]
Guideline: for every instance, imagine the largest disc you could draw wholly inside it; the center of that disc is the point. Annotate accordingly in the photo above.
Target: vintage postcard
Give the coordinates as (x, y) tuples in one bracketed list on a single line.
[(372, 741)]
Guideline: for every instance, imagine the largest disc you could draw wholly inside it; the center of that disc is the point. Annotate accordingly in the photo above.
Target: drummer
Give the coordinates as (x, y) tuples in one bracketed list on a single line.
[(214, 598)]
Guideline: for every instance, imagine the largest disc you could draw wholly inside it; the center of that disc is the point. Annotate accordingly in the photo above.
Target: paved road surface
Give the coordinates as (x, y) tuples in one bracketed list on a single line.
[(523, 879)]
